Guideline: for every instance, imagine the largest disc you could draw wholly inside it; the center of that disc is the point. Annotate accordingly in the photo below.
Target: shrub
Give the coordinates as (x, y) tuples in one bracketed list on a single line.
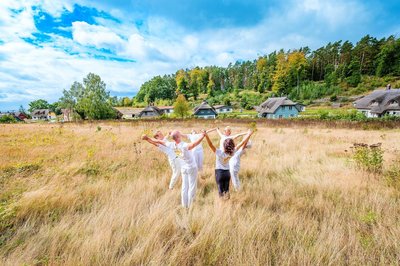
[(368, 158), (8, 119), (392, 176)]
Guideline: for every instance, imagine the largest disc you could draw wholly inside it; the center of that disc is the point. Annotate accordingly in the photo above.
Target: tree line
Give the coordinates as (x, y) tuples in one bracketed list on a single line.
[(301, 74)]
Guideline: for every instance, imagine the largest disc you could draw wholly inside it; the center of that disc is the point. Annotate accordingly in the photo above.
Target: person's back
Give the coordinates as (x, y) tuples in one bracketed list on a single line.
[(182, 152)]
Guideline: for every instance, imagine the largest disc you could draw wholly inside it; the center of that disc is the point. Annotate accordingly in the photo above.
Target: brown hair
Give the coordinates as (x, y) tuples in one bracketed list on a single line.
[(229, 146)]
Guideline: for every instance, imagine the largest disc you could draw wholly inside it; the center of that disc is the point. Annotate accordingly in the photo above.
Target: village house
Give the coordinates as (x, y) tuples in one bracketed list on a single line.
[(223, 109), (279, 107), (204, 110), (150, 111), (167, 110), (127, 112), (380, 103), (43, 114)]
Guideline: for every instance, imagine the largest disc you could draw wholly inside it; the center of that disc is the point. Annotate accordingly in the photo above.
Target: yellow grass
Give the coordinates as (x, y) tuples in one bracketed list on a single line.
[(94, 194)]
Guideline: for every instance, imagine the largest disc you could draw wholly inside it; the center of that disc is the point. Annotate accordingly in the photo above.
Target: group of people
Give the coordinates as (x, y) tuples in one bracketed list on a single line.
[(186, 159)]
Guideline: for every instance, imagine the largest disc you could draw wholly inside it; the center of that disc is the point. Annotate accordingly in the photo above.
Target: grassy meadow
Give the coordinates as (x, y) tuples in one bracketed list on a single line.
[(94, 194)]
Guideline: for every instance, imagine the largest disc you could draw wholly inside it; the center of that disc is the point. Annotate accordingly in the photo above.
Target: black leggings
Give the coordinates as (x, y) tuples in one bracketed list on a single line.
[(223, 178)]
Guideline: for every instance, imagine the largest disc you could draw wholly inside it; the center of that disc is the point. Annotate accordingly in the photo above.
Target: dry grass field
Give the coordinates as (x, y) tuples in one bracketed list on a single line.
[(94, 194)]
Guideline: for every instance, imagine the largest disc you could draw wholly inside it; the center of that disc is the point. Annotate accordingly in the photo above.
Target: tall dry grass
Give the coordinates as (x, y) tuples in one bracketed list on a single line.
[(94, 194)]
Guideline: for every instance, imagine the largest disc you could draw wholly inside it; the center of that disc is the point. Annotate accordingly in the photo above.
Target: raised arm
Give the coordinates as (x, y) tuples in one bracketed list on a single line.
[(195, 143), (239, 135), (155, 142), (211, 130), (245, 140), (219, 133), (212, 147)]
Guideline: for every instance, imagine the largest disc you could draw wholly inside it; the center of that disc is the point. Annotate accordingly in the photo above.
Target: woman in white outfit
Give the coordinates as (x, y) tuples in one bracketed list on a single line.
[(234, 165), (167, 148), (188, 166), (222, 159)]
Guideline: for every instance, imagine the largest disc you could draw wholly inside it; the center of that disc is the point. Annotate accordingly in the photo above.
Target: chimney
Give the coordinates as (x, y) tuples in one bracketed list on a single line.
[(388, 87)]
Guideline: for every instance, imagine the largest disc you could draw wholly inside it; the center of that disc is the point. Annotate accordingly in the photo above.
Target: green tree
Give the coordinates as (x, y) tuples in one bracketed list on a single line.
[(90, 99), (181, 106), (354, 73), (280, 75), (157, 88), (210, 86), (182, 82), (126, 101), (198, 80), (388, 59), (95, 99), (38, 104), (296, 66)]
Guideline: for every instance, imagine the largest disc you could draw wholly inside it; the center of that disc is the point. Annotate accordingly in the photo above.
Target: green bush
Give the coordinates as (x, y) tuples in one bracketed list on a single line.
[(368, 158), (8, 119), (392, 176)]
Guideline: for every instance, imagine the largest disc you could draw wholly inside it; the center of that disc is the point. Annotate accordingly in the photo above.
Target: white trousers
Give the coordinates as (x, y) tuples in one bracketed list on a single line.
[(199, 158), (189, 186), (176, 171), (235, 178)]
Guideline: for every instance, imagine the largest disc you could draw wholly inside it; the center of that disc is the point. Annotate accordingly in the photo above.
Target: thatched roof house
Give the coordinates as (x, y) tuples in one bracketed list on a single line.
[(279, 107), (379, 103), (204, 110), (151, 111)]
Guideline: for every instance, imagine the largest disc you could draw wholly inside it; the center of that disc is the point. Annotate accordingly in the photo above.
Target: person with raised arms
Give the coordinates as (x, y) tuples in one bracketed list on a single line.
[(166, 147), (227, 134), (188, 166), (222, 158), (234, 162)]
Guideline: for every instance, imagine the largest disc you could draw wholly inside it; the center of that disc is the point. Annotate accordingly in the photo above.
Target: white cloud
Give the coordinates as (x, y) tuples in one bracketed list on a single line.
[(334, 12), (160, 47), (95, 35)]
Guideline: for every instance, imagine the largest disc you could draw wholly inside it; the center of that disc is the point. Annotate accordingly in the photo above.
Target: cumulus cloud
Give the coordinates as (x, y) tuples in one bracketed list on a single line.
[(95, 35), (126, 48)]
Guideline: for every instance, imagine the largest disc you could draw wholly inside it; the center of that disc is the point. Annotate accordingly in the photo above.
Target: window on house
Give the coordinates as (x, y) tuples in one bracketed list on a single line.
[(290, 107), (280, 116), (283, 107)]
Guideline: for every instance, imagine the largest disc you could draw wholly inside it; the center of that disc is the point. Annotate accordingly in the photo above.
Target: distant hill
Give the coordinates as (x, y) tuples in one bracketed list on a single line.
[(336, 69)]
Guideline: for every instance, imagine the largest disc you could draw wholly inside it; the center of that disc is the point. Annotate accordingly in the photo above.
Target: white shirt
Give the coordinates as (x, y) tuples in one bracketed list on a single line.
[(234, 163), (193, 138), (168, 150), (221, 160), (182, 152)]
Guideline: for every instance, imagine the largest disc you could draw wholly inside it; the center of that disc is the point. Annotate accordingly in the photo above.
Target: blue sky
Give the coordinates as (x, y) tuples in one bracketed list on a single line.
[(46, 45)]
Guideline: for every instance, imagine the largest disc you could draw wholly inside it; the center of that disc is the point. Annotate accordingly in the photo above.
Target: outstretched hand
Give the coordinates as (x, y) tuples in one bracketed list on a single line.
[(145, 137)]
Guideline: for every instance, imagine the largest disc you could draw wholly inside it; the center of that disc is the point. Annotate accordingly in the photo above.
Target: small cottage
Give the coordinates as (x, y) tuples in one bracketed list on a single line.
[(168, 110), (204, 110), (279, 107), (223, 109), (43, 114), (380, 103), (150, 111), (127, 112)]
